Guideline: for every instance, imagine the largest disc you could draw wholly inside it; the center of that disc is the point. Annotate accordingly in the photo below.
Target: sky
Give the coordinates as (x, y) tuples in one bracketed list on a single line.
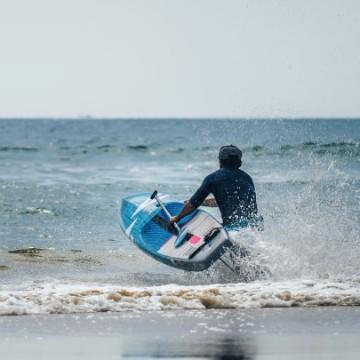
[(186, 58)]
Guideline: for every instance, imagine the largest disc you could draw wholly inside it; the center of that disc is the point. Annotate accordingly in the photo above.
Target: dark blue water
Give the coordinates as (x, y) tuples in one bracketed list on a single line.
[(61, 182)]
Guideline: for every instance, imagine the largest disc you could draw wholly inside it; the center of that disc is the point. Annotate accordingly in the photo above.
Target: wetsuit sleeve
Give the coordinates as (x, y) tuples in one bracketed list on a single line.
[(201, 193)]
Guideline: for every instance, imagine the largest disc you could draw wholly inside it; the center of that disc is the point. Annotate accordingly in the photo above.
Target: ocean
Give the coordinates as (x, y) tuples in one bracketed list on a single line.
[(61, 182)]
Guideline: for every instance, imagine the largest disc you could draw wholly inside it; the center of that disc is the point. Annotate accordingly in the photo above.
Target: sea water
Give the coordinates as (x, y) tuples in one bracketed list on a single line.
[(61, 182)]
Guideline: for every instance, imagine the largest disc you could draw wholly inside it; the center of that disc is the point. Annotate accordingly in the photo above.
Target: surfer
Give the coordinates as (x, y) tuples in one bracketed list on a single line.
[(233, 190)]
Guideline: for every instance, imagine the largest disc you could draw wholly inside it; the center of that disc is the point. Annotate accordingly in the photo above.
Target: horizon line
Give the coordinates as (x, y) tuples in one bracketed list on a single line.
[(110, 118)]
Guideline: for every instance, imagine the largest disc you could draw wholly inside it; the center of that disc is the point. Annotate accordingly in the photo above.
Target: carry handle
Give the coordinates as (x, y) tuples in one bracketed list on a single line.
[(153, 196)]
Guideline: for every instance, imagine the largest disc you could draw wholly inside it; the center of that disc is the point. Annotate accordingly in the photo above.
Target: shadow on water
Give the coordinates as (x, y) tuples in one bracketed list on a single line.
[(226, 348), (232, 349)]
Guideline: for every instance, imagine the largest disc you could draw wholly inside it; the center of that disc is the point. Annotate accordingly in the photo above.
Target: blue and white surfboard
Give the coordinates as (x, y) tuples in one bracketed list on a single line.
[(144, 222)]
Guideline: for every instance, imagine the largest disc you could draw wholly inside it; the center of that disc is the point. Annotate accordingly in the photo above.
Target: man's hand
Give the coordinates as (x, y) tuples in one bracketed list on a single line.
[(185, 210), (171, 222)]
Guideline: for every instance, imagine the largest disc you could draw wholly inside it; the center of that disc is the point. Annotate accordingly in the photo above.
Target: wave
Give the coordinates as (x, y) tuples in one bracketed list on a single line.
[(49, 298), (341, 148), (34, 211), (346, 149), (105, 147), (19, 148), (138, 147)]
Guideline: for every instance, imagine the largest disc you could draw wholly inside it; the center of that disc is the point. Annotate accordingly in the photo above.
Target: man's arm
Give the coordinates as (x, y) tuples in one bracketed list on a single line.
[(196, 200), (188, 208)]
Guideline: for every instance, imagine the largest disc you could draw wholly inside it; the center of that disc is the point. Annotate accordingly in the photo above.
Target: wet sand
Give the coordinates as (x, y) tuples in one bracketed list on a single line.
[(296, 333)]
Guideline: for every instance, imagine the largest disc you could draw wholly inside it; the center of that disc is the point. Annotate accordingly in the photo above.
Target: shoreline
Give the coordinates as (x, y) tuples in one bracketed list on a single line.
[(296, 333)]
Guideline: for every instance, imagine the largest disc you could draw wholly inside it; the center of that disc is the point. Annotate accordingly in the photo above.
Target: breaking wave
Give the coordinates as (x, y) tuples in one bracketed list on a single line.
[(60, 298)]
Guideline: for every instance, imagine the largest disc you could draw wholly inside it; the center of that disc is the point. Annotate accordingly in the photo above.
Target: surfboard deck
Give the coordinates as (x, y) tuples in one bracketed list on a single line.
[(144, 223)]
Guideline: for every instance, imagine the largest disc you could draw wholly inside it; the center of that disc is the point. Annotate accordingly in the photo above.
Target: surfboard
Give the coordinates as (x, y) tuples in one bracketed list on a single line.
[(144, 222)]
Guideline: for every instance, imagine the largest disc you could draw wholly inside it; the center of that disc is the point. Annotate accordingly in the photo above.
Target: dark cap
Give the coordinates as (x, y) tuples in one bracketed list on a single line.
[(229, 152)]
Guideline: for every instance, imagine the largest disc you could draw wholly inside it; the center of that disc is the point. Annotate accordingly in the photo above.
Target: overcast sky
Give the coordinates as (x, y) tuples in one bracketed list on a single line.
[(186, 58)]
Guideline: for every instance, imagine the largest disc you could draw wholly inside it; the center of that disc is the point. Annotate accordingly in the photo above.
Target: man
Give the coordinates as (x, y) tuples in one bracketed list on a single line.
[(233, 190)]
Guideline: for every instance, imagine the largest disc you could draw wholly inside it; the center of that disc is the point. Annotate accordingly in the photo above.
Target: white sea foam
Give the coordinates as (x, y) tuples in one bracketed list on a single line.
[(49, 298)]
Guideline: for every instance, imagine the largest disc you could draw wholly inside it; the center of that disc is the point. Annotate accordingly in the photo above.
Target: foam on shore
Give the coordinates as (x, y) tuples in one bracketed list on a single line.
[(49, 298)]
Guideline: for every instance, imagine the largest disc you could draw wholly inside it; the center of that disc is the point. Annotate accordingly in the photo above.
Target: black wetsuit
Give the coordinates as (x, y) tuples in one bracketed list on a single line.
[(234, 192)]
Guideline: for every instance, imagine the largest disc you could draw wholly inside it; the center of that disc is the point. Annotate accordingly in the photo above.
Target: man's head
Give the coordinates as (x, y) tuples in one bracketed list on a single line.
[(230, 156)]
